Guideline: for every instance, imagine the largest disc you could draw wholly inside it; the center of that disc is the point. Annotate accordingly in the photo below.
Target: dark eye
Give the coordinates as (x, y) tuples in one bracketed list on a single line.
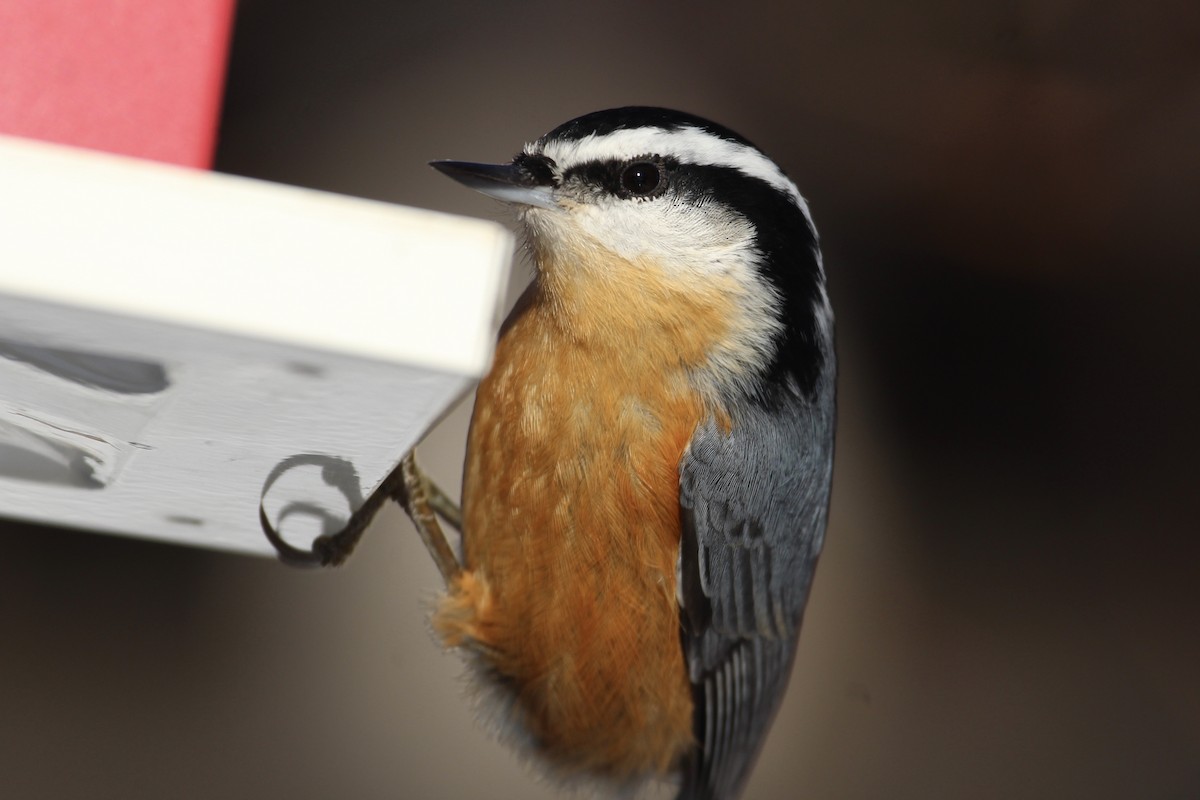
[(641, 178)]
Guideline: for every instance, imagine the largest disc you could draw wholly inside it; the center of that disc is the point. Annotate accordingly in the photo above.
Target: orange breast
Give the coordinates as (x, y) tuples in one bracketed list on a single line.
[(571, 533)]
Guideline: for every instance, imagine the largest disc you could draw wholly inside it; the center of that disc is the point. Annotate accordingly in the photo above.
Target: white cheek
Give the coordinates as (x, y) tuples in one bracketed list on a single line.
[(681, 238)]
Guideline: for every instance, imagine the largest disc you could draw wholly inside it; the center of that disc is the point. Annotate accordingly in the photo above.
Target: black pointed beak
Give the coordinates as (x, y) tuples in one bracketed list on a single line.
[(510, 183)]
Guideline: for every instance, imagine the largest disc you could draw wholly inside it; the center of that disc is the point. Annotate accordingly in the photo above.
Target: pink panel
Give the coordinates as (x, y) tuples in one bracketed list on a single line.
[(139, 77)]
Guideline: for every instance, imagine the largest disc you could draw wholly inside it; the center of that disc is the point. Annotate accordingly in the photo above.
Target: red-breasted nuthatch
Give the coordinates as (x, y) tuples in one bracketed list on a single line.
[(648, 468)]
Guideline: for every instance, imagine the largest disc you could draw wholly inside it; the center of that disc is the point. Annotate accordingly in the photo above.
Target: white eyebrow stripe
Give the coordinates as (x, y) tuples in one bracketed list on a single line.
[(689, 144)]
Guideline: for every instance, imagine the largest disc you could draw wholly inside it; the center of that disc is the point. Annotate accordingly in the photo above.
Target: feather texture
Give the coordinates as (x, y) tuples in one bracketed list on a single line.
[(754, 501)]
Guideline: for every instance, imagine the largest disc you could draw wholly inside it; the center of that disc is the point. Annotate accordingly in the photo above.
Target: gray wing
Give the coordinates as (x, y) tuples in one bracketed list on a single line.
[(754, 504)]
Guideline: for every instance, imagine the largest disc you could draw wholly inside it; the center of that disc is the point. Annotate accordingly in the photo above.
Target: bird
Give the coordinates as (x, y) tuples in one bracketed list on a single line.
[(649, 459)]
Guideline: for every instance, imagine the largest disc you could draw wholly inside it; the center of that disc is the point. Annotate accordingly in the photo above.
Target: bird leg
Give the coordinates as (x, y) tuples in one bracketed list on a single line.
[(422, 500), (441, 503)]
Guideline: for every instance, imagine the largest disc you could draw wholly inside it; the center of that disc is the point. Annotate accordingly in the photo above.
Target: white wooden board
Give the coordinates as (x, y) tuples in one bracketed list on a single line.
[(168, 337)]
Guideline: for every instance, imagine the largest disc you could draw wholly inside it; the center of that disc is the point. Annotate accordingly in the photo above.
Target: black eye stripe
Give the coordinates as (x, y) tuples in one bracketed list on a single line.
[(612, 176), (596, 173), (539, 167)]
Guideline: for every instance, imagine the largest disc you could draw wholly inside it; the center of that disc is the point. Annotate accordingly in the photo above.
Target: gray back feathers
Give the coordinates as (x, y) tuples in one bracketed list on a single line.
[(754, 506)]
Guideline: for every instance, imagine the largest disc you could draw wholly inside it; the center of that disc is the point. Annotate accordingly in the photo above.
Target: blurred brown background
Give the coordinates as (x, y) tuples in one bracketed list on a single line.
[(1009, 602)]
